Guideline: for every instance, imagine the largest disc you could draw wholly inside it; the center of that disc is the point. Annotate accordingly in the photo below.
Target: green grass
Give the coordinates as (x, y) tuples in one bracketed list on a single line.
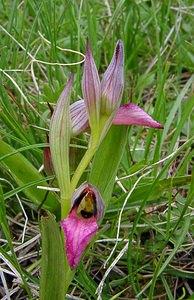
[(151, 230)]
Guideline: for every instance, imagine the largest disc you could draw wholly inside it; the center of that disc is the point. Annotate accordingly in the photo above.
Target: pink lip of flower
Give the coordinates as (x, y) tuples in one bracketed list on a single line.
[(103, 98), (82, 222)]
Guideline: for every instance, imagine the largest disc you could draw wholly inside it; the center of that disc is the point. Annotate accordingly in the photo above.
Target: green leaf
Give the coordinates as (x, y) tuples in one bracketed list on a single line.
[(143, 190), (176, 106), (179, 273), (11, 258), (187, 111), (106, 161), (89, 283), (161, 267), (25, 173), (118, 294), (52, 279)]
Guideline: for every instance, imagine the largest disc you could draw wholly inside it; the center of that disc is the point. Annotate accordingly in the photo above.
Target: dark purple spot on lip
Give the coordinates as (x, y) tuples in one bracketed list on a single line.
[(86, 214), (79, 199)]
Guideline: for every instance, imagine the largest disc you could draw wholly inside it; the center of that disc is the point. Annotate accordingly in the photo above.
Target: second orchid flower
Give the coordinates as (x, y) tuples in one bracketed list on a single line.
[(100, 106)]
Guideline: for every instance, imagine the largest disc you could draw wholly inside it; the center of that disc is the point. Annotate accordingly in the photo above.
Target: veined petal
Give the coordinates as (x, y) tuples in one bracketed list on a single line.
[(79, 117), (132, 114), (59, 137), (81, 223), (78, 233), (113, 81), (91, 87)]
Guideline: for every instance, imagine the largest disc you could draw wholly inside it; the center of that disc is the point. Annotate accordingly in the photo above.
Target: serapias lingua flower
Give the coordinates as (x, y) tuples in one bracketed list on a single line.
[(100, 107), (102, 98), (82, 221)]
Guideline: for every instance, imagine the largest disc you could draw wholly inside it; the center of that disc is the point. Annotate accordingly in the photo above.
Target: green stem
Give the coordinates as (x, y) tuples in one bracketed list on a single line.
[(84, 163), (69, 274), (65, 205), (66, 194)]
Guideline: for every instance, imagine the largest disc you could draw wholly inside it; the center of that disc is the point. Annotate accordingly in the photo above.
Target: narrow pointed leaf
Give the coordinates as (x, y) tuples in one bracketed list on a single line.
[(156, 193), (52, 281), (8, 236)]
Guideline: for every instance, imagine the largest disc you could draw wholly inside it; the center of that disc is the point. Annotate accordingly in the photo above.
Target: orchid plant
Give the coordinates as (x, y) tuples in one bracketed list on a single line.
[(82, 207)]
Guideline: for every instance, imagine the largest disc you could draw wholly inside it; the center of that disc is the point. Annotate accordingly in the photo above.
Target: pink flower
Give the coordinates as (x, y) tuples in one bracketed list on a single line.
[(82, 222), (100, 106)]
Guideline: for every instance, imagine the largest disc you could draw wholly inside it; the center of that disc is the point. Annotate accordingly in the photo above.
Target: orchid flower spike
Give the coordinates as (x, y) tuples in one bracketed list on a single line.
[(100, 106), (82, 221)]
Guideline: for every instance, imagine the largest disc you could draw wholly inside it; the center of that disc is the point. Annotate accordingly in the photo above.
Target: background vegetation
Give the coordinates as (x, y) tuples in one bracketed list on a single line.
[(146, 238)]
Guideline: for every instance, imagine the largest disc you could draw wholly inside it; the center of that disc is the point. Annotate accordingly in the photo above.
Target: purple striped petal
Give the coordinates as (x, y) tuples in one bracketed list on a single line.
[(79, 117), (132, 114), (91, 87), (113, 81)]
